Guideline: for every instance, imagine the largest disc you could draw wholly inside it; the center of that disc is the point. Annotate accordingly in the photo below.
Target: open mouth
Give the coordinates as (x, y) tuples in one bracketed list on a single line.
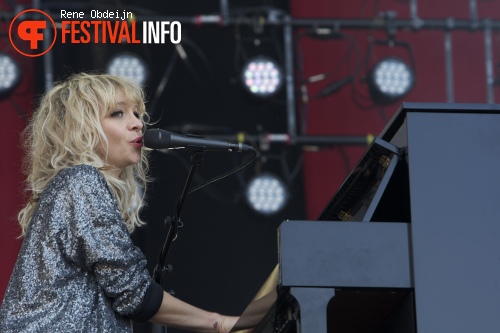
[(138, 140)]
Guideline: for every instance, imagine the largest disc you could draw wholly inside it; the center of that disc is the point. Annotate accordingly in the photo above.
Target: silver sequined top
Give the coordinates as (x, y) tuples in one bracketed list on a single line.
[(77, 270)]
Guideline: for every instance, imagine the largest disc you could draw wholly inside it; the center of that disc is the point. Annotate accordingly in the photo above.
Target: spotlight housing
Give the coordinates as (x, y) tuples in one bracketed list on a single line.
[(10, 74), (390, 79), (266, 194), (262, 76), (128, 65)]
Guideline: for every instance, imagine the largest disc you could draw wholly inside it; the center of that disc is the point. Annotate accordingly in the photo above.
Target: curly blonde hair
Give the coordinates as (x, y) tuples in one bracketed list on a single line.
[(65, 131)]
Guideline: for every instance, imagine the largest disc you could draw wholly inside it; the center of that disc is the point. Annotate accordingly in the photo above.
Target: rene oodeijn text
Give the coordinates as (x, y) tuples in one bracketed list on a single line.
[(98, 14)]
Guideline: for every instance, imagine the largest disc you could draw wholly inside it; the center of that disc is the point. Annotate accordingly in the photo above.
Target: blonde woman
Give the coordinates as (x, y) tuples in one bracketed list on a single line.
[(77, 270)]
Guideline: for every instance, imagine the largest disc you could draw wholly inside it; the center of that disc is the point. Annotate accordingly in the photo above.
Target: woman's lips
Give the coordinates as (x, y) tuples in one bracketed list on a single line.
[(137, 143)]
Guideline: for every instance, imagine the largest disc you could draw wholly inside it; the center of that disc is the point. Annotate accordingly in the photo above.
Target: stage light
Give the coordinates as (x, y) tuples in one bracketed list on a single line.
[(266, 194), (128, 65), (390, 79), (262, 76), (10, 74)]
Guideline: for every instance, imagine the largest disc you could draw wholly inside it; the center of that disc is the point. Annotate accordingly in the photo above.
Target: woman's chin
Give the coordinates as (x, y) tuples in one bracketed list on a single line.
[(136, 161)]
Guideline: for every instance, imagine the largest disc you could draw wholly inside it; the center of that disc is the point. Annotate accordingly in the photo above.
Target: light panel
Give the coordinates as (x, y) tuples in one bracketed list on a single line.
[(128, 65), (10, 74), (266, 194), (390, 79), (262, 76)]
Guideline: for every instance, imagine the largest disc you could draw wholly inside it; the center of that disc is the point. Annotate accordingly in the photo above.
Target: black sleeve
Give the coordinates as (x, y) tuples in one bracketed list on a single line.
[(150, 304)]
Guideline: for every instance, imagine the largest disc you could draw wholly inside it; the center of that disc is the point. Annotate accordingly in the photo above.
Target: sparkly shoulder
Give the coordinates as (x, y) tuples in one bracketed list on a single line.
[(77, 270)]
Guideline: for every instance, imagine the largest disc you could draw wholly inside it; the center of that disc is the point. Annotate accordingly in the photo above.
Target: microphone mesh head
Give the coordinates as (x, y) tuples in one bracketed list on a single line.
[(156, 139)]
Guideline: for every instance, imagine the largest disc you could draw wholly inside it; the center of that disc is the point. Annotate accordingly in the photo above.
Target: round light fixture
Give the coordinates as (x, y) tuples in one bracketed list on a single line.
[(266, 194), (262, 76), (128, 65), (10, 74), (390, 79)]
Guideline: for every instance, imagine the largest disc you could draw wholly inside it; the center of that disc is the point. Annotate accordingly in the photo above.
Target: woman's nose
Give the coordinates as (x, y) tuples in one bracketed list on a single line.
[(137, 124)]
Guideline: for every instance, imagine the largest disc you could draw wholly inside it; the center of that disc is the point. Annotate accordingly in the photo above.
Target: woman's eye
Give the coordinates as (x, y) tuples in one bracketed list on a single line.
[(136, 114), (117, 113)]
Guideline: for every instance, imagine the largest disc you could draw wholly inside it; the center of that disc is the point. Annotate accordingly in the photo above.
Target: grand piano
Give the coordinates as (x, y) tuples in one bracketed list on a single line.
[(411, 240)]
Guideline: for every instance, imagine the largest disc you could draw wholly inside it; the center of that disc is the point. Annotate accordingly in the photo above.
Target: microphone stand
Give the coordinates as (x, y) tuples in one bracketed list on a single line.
[(173, 225)]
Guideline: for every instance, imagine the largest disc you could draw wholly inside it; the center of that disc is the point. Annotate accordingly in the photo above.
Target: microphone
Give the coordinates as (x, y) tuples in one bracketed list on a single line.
[(160, 139)]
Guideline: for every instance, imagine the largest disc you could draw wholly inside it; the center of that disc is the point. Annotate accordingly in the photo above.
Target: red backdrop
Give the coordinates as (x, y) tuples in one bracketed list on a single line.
[(11, 178), (339, 115)]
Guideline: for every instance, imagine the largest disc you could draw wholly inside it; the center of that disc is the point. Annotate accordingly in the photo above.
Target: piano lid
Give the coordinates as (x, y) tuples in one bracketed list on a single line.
[(358, 197)]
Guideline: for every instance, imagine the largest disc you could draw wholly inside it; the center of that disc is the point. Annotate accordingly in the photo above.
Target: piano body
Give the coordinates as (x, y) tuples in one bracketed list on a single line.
[(411, 240)]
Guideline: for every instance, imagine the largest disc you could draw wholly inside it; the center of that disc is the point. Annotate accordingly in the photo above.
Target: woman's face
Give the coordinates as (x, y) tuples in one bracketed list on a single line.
[(123, 129)]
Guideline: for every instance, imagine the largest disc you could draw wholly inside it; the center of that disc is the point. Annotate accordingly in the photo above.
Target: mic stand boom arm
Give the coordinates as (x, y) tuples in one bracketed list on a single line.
[(174, 224)]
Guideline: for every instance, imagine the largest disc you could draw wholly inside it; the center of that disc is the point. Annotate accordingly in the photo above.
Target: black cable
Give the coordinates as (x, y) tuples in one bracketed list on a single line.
[(211, 192), (383, 116), (298, 166), (304, 93), (21, 114), (288, 175), (215, 87), (313, 33), (188, 42), (163, 83), (357, 97), (190, 68), (349, 79), (230, 172), (345, 157)]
